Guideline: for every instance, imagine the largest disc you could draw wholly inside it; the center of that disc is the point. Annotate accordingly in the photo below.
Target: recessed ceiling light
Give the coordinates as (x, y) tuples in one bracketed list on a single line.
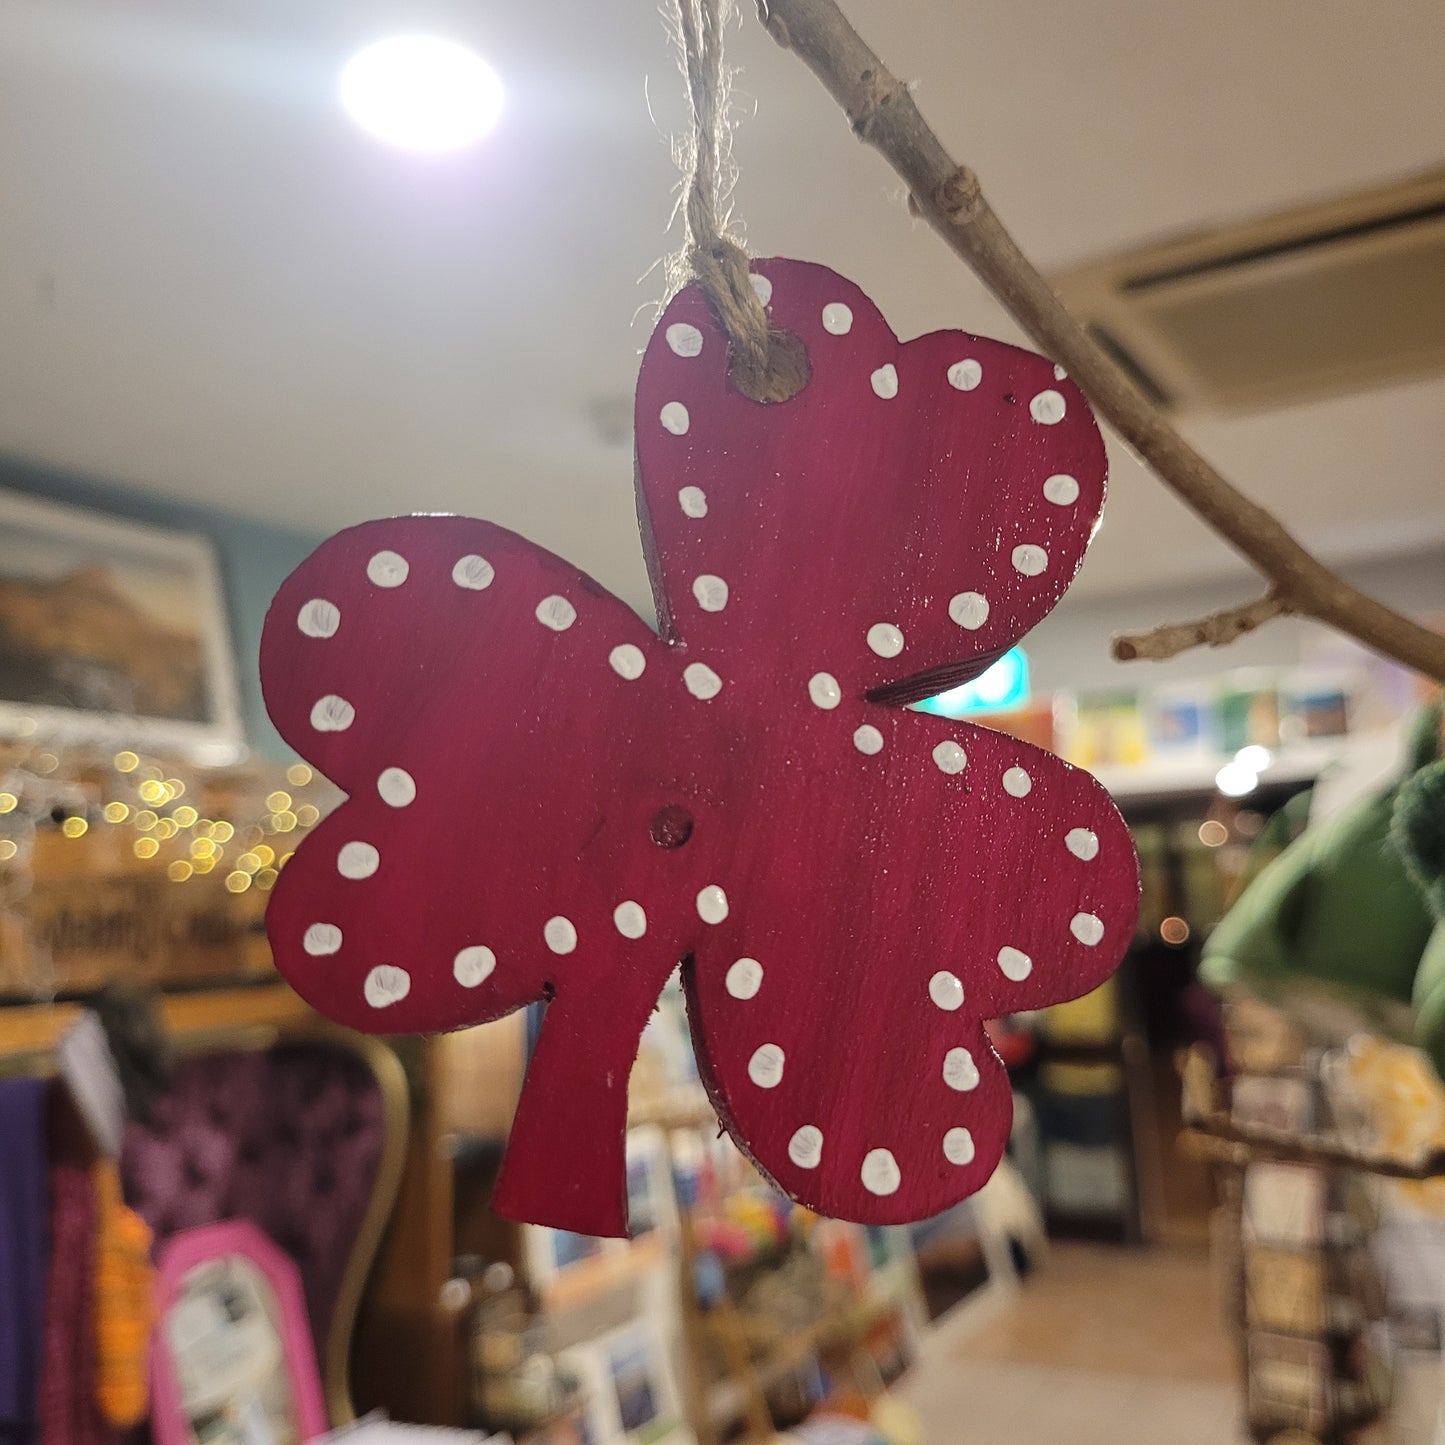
[(422, 93)]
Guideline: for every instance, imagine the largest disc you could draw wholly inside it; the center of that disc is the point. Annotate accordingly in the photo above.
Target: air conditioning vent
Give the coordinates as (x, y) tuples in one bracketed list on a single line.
[(1338, 296)]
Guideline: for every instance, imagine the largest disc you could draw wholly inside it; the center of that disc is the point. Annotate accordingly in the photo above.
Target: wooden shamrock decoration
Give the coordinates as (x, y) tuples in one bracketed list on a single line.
[(548, 800)]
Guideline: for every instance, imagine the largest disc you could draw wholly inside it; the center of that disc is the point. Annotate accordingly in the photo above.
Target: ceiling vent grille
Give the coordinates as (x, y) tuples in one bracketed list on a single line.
[(1337, 296)]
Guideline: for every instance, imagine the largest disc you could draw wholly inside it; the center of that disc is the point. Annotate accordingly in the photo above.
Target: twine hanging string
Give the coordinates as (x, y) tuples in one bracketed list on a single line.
[(764, 364)]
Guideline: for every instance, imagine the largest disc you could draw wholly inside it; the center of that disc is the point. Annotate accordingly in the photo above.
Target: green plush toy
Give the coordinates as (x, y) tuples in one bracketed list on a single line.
[(1419, 838), (1340, 908)]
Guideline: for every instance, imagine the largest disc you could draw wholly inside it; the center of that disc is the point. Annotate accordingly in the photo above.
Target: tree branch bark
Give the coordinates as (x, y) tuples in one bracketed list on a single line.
[(1219, 629), (949, 197)]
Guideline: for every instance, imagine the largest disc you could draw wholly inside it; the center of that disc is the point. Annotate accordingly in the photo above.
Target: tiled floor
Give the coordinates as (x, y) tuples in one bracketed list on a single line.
[(1099, 1347)]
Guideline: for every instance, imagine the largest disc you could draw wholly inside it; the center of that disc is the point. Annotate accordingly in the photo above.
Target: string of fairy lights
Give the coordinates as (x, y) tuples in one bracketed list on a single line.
[(162, 816)]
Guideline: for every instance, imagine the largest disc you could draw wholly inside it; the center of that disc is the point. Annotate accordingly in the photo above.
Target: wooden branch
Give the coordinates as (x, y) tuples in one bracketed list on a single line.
[(948, 196), (1219, 629)]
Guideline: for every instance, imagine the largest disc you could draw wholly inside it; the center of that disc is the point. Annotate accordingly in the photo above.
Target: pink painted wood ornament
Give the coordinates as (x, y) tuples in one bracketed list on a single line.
[(550, 801)]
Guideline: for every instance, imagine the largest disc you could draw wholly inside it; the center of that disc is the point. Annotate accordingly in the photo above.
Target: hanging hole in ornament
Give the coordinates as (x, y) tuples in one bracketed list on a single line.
[(784, 373)]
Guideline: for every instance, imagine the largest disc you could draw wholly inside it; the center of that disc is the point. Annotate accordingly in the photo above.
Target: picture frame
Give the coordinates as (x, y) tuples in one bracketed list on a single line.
[(233, 1358), (631, 1389), (113, 632)]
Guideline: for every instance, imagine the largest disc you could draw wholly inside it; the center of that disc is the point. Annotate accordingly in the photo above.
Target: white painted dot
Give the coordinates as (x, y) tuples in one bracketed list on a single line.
[(1059, 373), (701, 681), (674, 418), (556, 612), (868, 740), (969, 610), (1088, 928), (805, 1148), (321, 939), (711, 592), (958, 1147), (387, 985), (950, 757), (1082, 843), (1017, 783), (357, 860), (965, 375), (693, 501), (1014, 964), (712, 904), (1047, 408), (765, 1068), (946, 990), (824, 690), (332, 714), (880, 1172), (684, 340), (397, 787), (473, 966), (1061, 489), (837, 318), (885, 381), (388, 569), (628, 661), (319, 618), (560, 934), (745, 978), (959, 1070), (885, 639), (1029, 559), (630, 919), (762, 288), (473, 572)]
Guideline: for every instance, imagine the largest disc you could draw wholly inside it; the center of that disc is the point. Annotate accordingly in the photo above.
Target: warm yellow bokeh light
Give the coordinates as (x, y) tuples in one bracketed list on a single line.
[(165, 828), (126, 762), (153, 791), (75, 827), (265, 853), (179, 871), (8, 802), (145, 820), (185, 815), (175, 787), (8, 849), (238, 882), (146, 847), (115, 812), (307, 814), (278, 802), (202, 848), (298, 775), (222, 832), (203, 865), (265, 878), (283, 822)]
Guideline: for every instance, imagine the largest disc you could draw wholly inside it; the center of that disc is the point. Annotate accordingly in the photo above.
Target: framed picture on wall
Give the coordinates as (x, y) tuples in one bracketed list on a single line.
[(113, 632)]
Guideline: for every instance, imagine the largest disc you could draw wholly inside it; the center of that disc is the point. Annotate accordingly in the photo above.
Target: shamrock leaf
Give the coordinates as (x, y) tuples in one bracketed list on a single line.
[(547, 800)]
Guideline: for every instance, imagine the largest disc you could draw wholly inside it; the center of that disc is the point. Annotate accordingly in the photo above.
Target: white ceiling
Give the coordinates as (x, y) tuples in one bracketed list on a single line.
[(214, 286)]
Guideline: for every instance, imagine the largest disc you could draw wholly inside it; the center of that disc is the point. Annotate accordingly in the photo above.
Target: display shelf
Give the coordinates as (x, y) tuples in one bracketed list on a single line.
[(1163, 776)]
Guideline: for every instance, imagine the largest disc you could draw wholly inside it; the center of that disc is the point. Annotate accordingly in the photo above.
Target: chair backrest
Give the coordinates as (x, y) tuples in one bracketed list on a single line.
[(301, 1139)]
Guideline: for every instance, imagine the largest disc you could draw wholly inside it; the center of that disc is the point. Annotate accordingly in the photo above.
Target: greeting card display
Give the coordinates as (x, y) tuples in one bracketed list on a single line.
[(550, 801)]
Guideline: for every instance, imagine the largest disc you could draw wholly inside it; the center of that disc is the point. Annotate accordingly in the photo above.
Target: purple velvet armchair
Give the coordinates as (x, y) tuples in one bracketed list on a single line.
[(305, 1139)]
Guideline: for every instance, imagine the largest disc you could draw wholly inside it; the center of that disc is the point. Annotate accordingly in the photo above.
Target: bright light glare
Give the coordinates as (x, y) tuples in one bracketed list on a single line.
[(421, 93), (1254, 757), (1235, 779)]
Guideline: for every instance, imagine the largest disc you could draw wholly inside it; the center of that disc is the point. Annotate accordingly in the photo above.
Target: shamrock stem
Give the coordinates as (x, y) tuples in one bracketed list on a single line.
[(566, 1159)]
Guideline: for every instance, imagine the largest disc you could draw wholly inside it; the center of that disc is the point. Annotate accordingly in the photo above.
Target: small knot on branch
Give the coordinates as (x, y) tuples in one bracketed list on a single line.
[(1219, 629), (960, 196), (879, 91), (763, 364)]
